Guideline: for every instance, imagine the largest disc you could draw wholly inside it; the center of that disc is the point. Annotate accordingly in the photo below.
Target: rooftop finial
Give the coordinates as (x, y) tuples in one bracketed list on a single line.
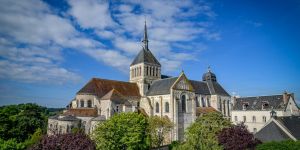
[(145, 40), (208, 69)]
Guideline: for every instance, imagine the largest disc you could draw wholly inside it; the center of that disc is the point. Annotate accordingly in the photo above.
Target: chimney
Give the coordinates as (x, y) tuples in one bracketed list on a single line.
[(286, 97), (234, 100)]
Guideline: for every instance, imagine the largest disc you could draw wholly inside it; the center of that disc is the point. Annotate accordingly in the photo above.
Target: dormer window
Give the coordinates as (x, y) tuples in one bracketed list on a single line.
[(265, 105), (245, 106)]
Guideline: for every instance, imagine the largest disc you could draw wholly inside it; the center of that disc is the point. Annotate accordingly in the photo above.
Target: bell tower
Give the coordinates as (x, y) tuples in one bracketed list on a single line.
[(145, 68)]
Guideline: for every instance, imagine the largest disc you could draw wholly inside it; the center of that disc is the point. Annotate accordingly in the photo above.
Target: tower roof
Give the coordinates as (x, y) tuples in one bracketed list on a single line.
[(209, 76), (145, 55)]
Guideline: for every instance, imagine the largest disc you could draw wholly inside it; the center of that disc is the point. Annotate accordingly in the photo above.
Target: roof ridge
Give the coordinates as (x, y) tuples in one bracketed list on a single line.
[(259, 96), (94, 78)]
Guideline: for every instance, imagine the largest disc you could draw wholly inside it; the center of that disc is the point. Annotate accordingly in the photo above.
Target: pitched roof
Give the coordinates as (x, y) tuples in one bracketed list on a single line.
[(116, 97), (200, 87), (287, 127), (101, 87), (215, 88), (292, 123), (255, 103), (82, 112), (161, 87), (145, 56), (99, 118), (271, 132), (205, 110)]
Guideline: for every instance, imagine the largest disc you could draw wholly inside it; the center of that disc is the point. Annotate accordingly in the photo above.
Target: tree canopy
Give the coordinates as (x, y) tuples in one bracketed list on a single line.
[(20, 121), (202, 133), (159, 128), (237, 137), (122, 131)]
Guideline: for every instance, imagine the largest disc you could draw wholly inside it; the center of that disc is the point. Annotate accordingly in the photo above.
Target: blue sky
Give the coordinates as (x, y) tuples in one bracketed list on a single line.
[(50, 49)]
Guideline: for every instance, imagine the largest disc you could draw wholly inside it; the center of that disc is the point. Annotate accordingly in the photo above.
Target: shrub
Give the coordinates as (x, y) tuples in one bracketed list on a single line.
[(237, 137), (70, 141)]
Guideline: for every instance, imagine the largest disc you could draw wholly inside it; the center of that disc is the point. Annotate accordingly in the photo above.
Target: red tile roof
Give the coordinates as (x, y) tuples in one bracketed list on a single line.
[(101, 87), (82, 112)]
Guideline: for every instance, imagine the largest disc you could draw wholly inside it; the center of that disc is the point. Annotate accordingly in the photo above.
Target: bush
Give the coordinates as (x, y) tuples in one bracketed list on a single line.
[(237, 137), (283, 145), (69, 141)]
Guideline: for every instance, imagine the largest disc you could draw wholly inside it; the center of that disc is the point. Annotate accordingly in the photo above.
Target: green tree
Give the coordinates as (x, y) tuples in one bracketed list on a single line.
[(19, 122), (122, 131), (159, 128), (286, 145), (11, 144), (201, 135)]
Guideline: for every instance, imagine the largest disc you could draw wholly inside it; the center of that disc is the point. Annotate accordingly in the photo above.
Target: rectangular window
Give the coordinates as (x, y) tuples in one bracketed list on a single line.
[(244, 118), (235, 118), (254, 130), (264, 119), (253, 119)]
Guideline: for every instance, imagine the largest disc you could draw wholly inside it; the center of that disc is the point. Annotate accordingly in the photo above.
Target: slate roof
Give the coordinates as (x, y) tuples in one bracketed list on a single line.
[(200, 87), (162, 86), (82, 112), (145, 56), (99, 118), (216, 89), (101, 87), (272, 132), (292, 123), (255, 103)]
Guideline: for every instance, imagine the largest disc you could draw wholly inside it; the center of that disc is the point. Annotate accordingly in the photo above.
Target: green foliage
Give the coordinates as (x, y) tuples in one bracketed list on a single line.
[(201, 135), (34, 138), (20, 121), (159, 128), (122, 131), (11, 144), (283, 145)]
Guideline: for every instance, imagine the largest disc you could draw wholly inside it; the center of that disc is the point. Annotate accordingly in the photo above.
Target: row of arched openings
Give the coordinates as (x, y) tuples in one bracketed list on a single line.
[(166, 107), (81, 103)]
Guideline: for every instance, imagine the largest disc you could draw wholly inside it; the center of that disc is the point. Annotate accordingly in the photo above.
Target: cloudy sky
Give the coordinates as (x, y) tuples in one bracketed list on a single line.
[(50, 49)]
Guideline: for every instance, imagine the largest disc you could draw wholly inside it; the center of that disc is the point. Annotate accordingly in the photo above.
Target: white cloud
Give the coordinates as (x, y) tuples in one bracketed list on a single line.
[(91, 13), (33, 36)]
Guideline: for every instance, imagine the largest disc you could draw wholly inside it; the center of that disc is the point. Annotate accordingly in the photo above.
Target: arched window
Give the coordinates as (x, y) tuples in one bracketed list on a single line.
[(203, 102), (146, 70), (152, 71), (208, 102), (167, 107), (81, 103), (156, 72), (253, 119), (183, 103), (197, 102), (89, 103), (264, 119), (157, 107)]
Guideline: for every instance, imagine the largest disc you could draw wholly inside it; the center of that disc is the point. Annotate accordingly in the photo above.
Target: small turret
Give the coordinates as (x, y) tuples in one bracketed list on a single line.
[(209, 76)]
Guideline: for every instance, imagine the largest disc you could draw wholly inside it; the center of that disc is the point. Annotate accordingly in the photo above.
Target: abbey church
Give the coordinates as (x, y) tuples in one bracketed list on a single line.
[(149, 92)]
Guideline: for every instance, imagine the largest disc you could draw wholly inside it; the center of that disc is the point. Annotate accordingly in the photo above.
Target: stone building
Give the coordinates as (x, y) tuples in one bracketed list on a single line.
[(256, 111), (179, 98)]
